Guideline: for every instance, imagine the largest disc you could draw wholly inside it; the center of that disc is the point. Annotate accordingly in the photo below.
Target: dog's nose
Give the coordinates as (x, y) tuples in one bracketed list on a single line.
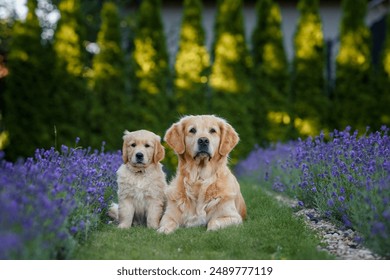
[(139, 156), (203, 142)]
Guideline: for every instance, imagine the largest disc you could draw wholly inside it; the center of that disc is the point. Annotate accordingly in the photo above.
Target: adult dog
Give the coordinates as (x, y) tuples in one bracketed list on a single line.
[(204, 191), (141, 181)]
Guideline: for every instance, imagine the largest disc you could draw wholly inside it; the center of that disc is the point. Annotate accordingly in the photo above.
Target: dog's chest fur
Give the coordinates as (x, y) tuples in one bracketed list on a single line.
[(141, 187), (199, 187)]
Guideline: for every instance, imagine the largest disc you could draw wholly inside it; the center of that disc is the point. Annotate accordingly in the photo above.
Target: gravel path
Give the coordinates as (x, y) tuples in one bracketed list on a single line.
[(338, 242)]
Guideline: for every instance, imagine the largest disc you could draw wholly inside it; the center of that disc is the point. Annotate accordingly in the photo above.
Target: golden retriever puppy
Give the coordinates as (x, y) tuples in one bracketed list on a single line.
[(204, 191), (141, 181)]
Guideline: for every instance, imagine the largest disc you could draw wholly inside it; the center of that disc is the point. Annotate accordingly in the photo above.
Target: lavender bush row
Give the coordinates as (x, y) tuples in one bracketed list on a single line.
[(345, 176), (51, 202)]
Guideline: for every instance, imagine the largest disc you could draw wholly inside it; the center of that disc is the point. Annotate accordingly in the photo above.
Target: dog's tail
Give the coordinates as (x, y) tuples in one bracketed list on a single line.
[(113, 211)]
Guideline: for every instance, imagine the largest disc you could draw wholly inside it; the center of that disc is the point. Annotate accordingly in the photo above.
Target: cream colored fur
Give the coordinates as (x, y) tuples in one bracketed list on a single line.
[(141, 183)]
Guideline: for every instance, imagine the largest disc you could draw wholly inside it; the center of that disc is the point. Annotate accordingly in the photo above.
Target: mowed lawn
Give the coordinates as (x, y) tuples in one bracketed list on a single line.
[(270, 232)]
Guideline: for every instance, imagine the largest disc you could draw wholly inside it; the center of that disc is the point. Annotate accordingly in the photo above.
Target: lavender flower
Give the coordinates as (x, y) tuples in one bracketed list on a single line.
[(345, 176), (51, 199)]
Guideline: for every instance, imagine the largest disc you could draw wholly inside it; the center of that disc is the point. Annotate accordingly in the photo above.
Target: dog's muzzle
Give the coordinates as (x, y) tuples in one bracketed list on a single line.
[(203, 148)]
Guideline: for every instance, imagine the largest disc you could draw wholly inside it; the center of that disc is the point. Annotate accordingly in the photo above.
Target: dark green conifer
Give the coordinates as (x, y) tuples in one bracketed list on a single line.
[(192, 63), (28, 105), (109, 114), (230, 74), (354, 101), (70, 100), (150, 106), (384, 80), (272, 116), (310, 103)]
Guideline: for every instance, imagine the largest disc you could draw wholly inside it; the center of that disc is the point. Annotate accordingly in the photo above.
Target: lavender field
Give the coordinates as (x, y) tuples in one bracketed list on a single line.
[(344, 176), (51, 202)]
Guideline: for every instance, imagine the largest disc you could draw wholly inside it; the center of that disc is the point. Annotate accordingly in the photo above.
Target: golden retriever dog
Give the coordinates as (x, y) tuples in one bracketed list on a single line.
[(141, 181), (204, 191)]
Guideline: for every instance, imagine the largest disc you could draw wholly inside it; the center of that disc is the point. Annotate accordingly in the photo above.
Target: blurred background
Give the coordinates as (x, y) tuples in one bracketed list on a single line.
[(81, 72)]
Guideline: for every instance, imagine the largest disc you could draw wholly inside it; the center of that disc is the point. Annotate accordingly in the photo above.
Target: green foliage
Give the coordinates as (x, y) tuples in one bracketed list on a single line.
[(270, 232), (109, 102), (310, 104), (70, 100), (383, 81), (272, 119), (192, 63), (354, 99), (28, 102), (150, 99), (229, 79)]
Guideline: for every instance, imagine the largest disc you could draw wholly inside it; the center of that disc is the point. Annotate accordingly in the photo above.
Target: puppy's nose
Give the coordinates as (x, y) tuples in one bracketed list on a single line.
[(139, 156), (203, 142)]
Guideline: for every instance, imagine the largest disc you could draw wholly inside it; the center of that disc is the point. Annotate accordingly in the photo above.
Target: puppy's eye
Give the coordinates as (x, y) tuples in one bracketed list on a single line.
[(133, 145), (212, 130), (193, 130), (147, 145)]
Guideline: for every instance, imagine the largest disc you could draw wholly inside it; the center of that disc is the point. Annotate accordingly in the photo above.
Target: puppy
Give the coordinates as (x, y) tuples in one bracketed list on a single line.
[(141, 181), (204, 191)]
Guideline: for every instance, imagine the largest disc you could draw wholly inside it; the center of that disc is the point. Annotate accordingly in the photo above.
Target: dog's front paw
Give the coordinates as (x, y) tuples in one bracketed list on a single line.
[(166, 230), (213, 225), (124, 226)]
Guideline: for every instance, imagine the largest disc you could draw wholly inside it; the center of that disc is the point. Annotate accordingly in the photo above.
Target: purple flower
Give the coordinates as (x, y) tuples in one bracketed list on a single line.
[(379, 229), (47, 196), (386, 214)]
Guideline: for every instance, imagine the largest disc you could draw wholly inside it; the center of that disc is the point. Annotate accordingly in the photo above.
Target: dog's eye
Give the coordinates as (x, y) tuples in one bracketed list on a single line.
[(212, 130), (147, 145), (133, 145), (193, 130)]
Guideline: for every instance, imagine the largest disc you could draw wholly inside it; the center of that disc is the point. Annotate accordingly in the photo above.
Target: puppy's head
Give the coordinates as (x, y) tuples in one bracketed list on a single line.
[(200, 137), (142, 148)]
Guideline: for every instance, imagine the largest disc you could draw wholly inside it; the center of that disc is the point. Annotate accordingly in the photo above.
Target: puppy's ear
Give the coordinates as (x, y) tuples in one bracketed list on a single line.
[(124, 147), (175, 138), (229, 139), (159, 152)]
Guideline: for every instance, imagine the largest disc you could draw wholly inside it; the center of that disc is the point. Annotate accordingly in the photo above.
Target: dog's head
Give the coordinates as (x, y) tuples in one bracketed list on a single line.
[(142, 148), (203, 136)]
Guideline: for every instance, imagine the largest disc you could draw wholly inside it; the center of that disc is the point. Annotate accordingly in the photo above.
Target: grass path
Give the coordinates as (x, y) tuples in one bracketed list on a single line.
[(270, 232)]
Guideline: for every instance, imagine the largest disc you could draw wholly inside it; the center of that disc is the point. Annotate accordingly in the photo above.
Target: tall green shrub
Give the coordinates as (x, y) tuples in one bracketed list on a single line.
[(229, 79), (384, 79), (354, 100), (28, 105), (70, 100), (109, 101), (150, 104), (192, 63), (310, 103), (272, 114)]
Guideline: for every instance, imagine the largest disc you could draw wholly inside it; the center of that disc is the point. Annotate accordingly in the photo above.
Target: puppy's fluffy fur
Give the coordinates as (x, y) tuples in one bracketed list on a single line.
[(204, 191), (141, 181)]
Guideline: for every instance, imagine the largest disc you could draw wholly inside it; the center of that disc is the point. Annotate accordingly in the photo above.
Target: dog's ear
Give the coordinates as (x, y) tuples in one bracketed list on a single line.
[(229, 139), (175, 138), (124, 147), (159, 152)]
